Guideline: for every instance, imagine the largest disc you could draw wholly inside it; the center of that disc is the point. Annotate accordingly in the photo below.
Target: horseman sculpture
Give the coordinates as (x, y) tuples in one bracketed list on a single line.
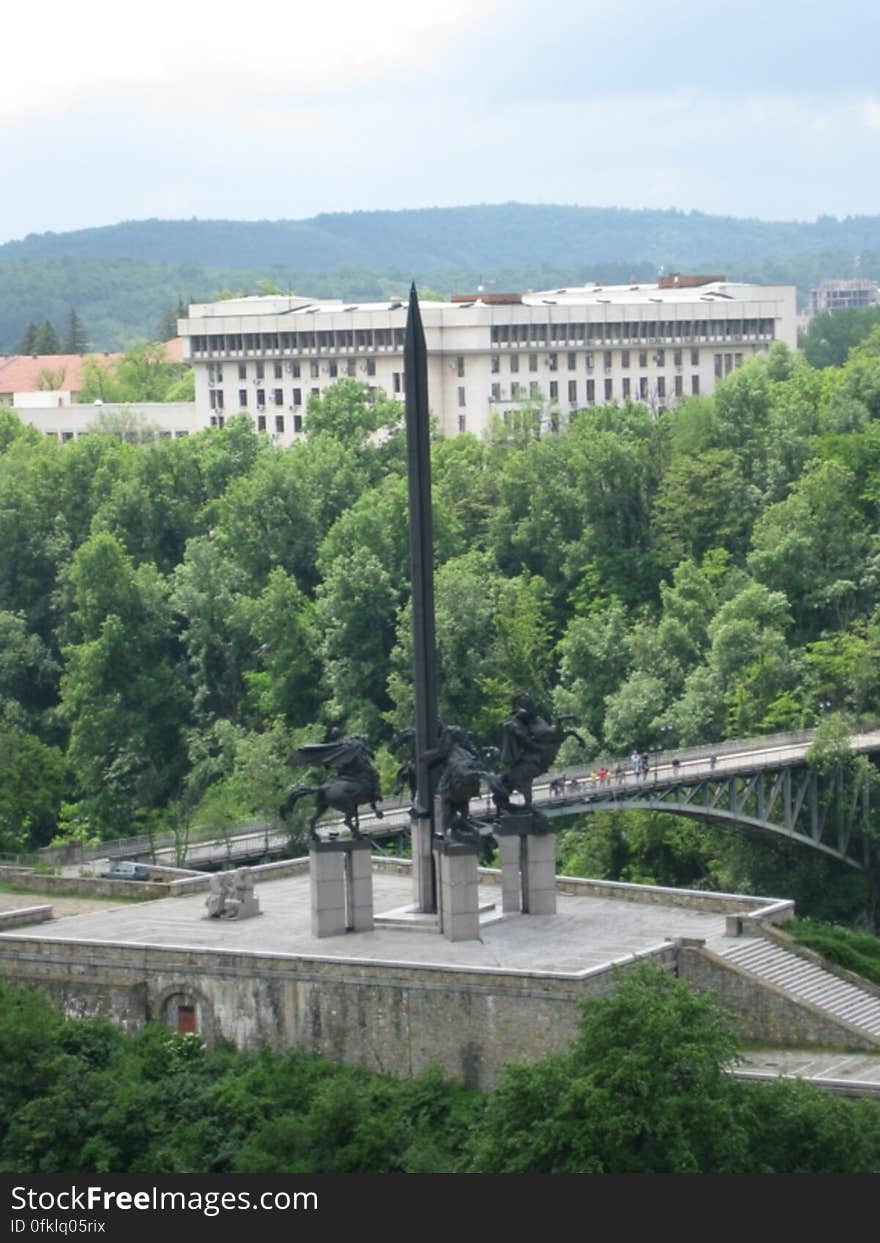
[(356, 781)]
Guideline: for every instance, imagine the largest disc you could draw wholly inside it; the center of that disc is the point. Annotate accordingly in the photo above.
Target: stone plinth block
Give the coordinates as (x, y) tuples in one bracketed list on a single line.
[(527, 847), (459, 890), (341, 887), (423, 874)]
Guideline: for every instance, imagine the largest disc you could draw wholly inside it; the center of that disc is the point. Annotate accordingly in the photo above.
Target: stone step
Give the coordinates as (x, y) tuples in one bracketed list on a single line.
[(805, 980)]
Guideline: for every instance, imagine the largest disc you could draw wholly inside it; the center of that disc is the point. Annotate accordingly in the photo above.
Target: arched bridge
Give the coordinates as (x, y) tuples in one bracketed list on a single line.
[(763, 787)]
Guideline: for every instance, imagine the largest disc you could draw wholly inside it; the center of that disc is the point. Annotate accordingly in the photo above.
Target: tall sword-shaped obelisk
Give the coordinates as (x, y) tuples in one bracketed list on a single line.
[(421, 547)]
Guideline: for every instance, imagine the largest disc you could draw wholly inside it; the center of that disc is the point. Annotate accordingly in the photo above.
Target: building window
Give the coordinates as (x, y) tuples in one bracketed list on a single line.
[(459, 365), (554, 390), (297, 422), (261, 422), (261, 398), (643, 358), (607, 358), (627, 392), (588, 358), (591, 391), (278, 397), (333, 370), (695, 358), (395, 381), (279, 422), (316, 392), (514, 362), (572, 362), (737, 360), (496, 392), (495, 364), (660, 358), (573, 391), (609, 390), (624, 358), (643, 387), (534, 391), (371, 366), (553, 362), (242, 398), (661, 386), (679, 385), (349, 366), (297, 397), (260, 371), (533, 362), (462, 422), (461, 399), (676, 358), (728, 364), (719, 371), (314, 371), (277, 372), (295, 370), (695, 385), (242, 371), (514, 391)]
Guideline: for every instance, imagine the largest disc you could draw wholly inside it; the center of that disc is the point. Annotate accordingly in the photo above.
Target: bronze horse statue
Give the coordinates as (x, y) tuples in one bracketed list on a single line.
[(530, 747), (463, 770), (356, 781)]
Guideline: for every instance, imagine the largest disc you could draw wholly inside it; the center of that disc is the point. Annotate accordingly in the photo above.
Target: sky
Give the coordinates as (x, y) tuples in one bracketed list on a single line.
[(762, 108)]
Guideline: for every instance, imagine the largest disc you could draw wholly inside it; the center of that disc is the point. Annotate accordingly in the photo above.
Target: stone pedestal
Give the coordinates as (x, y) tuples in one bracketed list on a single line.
[(458, 890), (423, 872), (528, 864), (341, 876)]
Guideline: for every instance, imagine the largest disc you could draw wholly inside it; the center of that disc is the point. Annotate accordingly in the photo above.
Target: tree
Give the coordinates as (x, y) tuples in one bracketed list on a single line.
[(643, 1091), (27, 342), (47, 340), (76, 339)]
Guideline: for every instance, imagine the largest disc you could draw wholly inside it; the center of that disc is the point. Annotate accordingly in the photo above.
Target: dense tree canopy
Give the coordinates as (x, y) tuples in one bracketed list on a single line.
[(711, 572)]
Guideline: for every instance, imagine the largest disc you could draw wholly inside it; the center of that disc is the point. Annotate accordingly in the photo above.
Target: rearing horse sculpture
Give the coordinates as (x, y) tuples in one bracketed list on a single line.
[(356, 781), (530, 746)]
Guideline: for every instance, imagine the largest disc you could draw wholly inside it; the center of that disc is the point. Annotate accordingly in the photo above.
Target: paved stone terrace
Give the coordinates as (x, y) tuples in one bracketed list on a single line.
[(586, 932)]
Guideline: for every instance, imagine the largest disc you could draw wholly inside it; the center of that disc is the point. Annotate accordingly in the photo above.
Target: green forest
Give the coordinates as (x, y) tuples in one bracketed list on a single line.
[(643, 1090), (176, 615), (128, 281)]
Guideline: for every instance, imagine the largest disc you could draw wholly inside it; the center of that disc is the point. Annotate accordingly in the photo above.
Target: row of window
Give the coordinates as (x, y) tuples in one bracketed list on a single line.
[(642, 390), (297, 342), (553, 361), (335, 370), (734, 329), (280, 423)]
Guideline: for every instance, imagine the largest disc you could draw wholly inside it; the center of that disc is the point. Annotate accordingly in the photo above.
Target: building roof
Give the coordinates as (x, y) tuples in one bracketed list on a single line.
[(592, 294), (20, 373)]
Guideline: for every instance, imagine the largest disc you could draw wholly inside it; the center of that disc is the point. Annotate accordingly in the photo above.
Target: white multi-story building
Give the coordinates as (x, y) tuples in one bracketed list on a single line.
[(843, 295), (563, 349)]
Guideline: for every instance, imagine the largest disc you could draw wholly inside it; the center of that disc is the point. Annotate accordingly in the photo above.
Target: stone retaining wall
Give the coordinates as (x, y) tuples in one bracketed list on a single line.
[(394, 1018)]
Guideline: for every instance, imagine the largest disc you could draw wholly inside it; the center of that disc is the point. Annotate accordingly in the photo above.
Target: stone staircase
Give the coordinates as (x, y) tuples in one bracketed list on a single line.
[(802, 980)]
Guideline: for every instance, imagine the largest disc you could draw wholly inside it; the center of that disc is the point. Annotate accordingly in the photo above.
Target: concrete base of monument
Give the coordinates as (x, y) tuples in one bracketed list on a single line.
[(527, 847), (411, 917), (341, 887), (401, 997)]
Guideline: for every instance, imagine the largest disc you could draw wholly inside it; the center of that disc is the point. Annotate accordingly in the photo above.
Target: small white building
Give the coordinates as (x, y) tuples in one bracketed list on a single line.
[(563, 349), (70, 420)]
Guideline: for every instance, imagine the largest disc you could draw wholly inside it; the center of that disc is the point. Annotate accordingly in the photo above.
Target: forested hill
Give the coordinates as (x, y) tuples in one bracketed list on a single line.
[(128, 281), (481, 237)]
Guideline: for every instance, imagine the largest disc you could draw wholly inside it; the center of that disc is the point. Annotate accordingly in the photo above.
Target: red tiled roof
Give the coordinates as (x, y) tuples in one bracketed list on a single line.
[(20, 373)]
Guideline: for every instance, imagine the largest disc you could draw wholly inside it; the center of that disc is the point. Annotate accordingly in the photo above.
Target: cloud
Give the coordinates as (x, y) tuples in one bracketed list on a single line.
[(169, 55)]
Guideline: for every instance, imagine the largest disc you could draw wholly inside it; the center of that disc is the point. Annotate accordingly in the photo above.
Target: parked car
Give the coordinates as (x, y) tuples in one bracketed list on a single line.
[(124, 870)]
